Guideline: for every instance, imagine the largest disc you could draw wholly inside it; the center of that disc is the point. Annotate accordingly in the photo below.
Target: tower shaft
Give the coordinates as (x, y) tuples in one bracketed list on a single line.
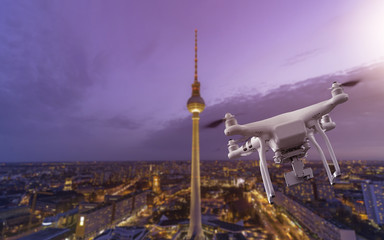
[(195, 227)]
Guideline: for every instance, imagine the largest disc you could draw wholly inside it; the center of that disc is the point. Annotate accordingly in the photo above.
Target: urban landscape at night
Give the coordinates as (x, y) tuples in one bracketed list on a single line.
[(151, 200), (193, 120)]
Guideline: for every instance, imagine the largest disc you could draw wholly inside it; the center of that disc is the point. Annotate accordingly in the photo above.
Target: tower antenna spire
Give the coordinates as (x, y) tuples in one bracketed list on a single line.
[(196, 77)]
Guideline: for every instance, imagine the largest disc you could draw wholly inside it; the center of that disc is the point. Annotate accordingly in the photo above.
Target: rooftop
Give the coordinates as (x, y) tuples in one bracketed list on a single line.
[(48, 234), (123, 233), (229, 236)]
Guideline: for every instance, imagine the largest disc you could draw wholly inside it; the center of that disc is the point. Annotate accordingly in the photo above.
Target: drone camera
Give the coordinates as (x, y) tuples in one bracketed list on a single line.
[(299, 173)]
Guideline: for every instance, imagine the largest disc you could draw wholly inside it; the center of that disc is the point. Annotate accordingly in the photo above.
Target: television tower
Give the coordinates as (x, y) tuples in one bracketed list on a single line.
[(195, 105)]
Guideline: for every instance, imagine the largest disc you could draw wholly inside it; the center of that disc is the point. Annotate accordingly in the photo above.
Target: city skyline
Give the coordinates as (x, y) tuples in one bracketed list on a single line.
[(82, 200), (88, 82)]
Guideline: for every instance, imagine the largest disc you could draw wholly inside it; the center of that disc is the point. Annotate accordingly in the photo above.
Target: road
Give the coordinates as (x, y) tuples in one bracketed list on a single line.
[(276, 221)]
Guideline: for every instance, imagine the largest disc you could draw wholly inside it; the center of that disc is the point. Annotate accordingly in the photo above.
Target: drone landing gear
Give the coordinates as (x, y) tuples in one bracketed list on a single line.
[(330, 149), (299, 174), (262, 148), (323, 159)]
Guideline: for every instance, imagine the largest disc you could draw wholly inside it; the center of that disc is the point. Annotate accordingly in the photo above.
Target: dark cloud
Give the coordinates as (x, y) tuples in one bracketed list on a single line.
[(42, 67), (100, 64), (122, 122), (45, 75), (45, 71), (301, 57), (146, 51), (358, 120)]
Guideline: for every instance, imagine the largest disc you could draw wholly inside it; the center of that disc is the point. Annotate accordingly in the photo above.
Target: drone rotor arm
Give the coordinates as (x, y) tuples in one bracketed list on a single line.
[(243, 139), (234, 151)]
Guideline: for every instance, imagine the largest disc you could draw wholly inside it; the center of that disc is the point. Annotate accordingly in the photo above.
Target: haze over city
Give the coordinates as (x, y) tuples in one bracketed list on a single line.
[(96, 80)]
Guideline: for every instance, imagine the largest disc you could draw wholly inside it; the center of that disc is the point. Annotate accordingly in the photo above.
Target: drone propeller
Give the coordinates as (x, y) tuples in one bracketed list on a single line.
[(350, 83), (216, 123)]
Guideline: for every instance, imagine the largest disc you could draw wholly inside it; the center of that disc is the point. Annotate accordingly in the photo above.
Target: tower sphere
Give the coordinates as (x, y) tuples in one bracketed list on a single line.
[(195, 104)]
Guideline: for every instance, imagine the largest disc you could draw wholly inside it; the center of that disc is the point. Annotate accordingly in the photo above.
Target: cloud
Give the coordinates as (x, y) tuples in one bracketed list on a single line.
[(45, 73), (122, 122), (43, 64), (301, 57), (146, 51)]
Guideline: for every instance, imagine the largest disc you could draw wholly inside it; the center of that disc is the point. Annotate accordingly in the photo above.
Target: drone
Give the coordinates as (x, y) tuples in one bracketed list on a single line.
[(289, 135)]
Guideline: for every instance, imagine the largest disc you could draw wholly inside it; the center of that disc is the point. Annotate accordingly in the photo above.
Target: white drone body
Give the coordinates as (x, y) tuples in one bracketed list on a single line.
[(288, 135)]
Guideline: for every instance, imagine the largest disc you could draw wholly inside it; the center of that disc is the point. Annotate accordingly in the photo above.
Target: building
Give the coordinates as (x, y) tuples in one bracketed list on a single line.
[(50, 203), (68, 185), (212, 227), (91, 222), (156, 184), (324, 192), (13, 219), (195, 105), (373, 193), (229, 236), (96, 219), (62, 220), (50, 234), (311, 191), (323, 228), (132, 233)]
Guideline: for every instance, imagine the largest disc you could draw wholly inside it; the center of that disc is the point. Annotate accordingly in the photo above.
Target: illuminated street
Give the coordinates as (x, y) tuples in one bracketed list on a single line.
[(276, 221)]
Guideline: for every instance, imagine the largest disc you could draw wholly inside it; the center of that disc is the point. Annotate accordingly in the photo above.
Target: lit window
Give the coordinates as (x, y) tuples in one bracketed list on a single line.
[(81, 221)]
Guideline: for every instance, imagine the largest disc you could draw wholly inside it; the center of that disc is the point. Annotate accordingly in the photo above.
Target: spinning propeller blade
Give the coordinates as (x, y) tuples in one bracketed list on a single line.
[(215, 123), (350, 83)]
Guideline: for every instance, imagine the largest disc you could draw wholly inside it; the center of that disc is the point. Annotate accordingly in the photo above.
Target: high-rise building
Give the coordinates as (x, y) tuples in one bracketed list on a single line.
[(195, 105), (156, 184), (318, 225), (373, 193), (68, 184)]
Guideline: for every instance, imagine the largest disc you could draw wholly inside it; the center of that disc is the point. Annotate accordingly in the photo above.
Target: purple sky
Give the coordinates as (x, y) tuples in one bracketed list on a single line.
[(109, 80)]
